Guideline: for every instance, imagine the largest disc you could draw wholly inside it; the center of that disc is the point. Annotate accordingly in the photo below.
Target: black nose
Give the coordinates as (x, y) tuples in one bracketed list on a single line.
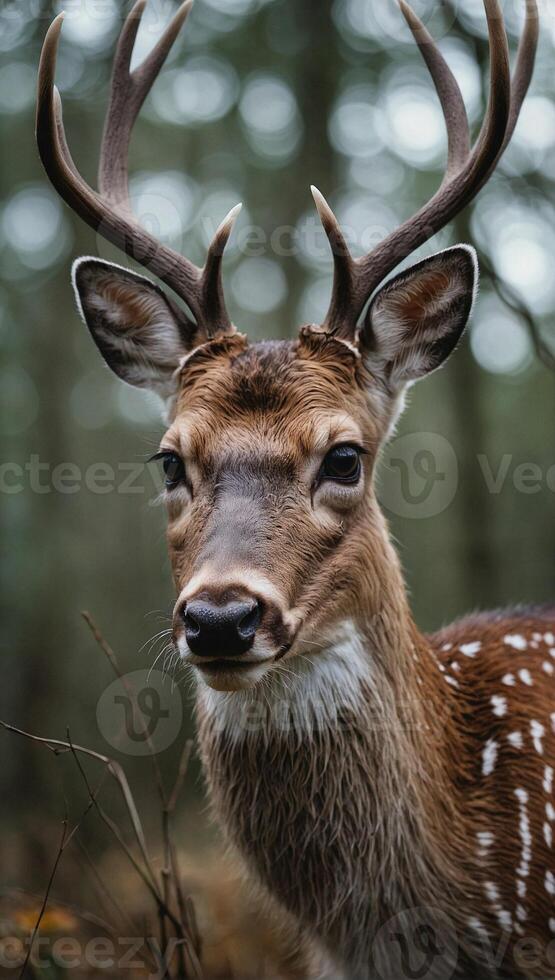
[(220, 630)]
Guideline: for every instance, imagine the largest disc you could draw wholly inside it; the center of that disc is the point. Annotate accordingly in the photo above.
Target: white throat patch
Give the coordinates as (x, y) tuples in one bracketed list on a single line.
[(306, 694)]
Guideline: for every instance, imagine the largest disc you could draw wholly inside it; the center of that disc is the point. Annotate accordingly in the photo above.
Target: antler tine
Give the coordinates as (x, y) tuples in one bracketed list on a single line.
[(128, 92), (211, 280), (109, 212), (344, 268), (522, 75), (448, 91), (492, 133), (466, 171)]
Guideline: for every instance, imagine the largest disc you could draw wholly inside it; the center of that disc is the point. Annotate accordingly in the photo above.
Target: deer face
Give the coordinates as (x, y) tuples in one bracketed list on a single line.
[(271, 448), (270, 452)]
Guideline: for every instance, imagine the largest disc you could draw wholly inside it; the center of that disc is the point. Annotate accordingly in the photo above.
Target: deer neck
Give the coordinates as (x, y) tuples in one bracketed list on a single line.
[(335, 780)]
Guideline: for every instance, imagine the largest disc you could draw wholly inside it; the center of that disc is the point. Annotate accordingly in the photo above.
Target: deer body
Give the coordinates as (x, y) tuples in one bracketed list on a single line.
[(392, 792), (384, 771), (350, 832)]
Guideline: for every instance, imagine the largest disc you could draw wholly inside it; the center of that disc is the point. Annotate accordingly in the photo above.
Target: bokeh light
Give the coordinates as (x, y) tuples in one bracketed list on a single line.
[(259, 285), (201, 92), (352, 126), (34, 226), (19, 400), (89, 25), (411, 124), (269, 113), (17, 87), (499, 341), (521, 241), (164, 203)]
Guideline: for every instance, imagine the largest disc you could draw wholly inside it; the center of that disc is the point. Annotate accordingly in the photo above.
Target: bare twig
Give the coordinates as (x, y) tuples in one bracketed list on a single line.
[(58, 747), (65, 840), (184, 922), (111, 657), (104, 891), (170, 871), (181, 774), (61, 848)]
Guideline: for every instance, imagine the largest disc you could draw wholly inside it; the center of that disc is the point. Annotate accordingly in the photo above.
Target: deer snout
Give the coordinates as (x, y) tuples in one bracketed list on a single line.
[(220, 630)]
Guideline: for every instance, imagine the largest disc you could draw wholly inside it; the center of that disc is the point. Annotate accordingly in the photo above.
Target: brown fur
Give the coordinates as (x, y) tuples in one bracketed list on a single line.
[(352, 824)]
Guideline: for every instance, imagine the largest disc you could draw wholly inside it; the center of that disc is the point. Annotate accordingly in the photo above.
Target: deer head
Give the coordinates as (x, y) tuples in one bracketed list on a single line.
[(274, 529)]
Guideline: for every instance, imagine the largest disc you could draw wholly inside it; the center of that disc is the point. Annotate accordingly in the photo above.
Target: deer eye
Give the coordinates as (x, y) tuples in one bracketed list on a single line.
[(174, 467), (342, 464)]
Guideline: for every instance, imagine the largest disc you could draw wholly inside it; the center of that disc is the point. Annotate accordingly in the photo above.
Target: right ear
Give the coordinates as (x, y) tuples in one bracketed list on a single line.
[(141, 334)]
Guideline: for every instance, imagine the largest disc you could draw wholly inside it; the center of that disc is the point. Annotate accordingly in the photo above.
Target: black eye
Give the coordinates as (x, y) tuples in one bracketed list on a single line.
[(342, 463), (173, 468)]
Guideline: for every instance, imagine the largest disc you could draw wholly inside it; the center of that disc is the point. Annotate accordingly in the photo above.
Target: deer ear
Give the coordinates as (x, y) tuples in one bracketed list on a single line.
[(416, 320), (141, 334)]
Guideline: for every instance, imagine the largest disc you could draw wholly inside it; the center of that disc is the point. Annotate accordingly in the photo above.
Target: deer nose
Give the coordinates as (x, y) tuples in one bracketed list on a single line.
[(226, 630)]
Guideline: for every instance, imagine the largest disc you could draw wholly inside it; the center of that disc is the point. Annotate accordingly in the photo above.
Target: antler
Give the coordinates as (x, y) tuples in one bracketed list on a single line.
[(467, 169), (108, 210)]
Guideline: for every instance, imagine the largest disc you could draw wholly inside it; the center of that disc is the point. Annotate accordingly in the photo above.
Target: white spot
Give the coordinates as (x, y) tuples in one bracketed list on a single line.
[(548, 667), (485, 838), (552, 719), (537, 637), (551, 652), (489, 757), (550, 811), (550, 883), (477, 925), (552, 925), (515, 641), (515, 738), (523, 869), (499, 705), (452, 681), (470, 649), (549, 639), (456, 666), (509, 680), (548, 834), (548, 780), (492, 892), (446, 647), (525, 676), (505, 919), (521, 888), (537, 732), (521, 913)]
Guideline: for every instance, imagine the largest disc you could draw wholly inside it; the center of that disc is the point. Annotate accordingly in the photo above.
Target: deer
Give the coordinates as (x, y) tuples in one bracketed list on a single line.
[(389, 791)]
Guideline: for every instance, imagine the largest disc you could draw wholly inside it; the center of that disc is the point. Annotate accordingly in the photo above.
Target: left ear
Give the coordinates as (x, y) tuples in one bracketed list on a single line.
[(416, 320)]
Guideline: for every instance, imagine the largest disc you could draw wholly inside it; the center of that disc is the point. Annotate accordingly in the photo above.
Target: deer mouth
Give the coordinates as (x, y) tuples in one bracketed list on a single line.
[(223, 674)]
